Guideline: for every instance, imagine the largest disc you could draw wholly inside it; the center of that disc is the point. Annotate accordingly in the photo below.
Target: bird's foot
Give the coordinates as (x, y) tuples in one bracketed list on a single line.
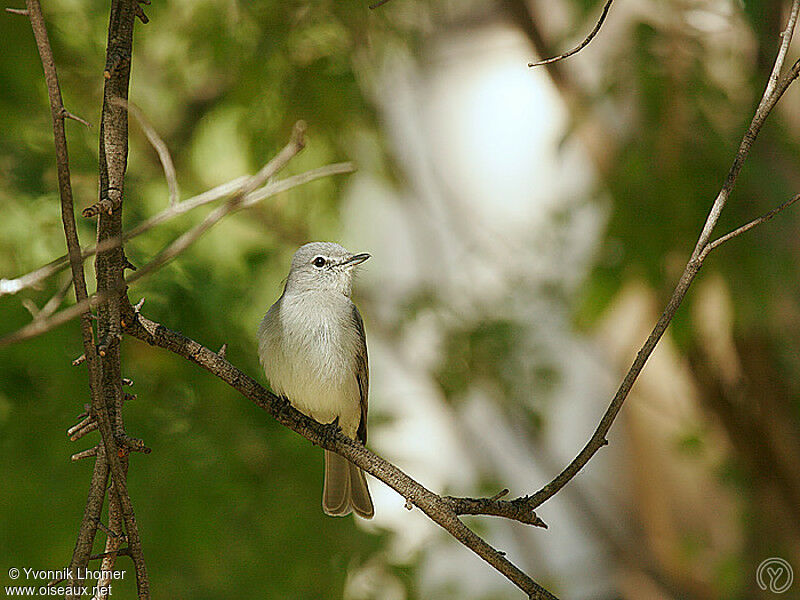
[(330, 431)]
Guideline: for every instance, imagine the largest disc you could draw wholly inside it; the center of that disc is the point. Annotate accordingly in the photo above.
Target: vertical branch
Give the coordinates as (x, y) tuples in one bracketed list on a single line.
[(91, 516), (110, 265), (97, 488), (115, 523)]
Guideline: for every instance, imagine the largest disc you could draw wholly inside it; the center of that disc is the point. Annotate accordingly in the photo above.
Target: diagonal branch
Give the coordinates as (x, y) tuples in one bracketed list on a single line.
[(34, 278), (159, 146), (598, 439), (295, 145), (521, 508), (748, 226), (40, 327), (440, 510), (248, 194), (786, 40)]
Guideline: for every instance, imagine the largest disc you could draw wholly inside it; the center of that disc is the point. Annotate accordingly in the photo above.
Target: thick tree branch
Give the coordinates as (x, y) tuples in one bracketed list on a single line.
[(440, 510)]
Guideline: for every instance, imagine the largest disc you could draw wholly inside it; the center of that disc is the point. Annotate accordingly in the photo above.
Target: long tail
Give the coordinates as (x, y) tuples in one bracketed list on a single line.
[(345, 488)]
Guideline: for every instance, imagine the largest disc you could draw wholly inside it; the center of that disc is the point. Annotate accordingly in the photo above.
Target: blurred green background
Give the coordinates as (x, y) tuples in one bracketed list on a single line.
[(228, 501)]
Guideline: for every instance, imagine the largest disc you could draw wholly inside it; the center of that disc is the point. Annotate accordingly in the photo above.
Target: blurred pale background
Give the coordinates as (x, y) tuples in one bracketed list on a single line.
[(526, 227)]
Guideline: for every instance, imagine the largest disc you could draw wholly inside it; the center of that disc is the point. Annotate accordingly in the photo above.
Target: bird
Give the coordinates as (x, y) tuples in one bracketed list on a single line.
[(312, 346)]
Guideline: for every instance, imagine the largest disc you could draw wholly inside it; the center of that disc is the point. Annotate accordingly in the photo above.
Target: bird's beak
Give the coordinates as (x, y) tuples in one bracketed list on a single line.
[(354, 260)]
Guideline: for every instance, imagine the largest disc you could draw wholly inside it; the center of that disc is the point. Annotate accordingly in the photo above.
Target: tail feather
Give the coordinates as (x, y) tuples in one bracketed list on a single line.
[(345, 488), (359, 493), (336, 490)]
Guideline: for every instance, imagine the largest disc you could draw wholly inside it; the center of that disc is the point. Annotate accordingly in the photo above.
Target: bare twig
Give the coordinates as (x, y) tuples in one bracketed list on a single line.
[(81, 425), (598, 439), (31, 307), (83, 431), (295, 145), (68, 115), (88, 453), (516, 510), (17, 11), (107, 530), (501, 494), (375, 5), (34, 278), (113, 542), (12, 286), (440, 510), (141, 16), (51, 305), (786, 39), (38, 328), (159, 146), (748, 226), (580, 46)]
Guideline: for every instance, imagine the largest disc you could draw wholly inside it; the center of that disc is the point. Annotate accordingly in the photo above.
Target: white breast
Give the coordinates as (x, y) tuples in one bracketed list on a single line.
[(308, 345)]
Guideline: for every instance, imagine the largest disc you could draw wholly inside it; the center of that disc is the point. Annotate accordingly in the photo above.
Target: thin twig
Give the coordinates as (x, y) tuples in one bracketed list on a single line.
[(83, 431), (54, 302), (748, 226), (120, 552), (377, 4), (17, 11), (81, 425), (68, 115), (516, 510), (159, 146), (12, 286), (35, 329), (580, 46), (98, 556), (107, 530), (598, 438), (111, 550), (786, 39), (34, 278), (88, 453)]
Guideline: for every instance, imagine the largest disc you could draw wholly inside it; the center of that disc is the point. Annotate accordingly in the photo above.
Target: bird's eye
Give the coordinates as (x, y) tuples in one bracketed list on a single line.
[(318, 262)]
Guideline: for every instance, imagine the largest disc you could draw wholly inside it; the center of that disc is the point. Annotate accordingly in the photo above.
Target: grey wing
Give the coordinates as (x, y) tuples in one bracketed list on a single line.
[(362, 373)]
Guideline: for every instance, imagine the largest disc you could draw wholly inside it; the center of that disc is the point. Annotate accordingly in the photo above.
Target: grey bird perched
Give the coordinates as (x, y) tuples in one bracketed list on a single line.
[(312, 346)]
